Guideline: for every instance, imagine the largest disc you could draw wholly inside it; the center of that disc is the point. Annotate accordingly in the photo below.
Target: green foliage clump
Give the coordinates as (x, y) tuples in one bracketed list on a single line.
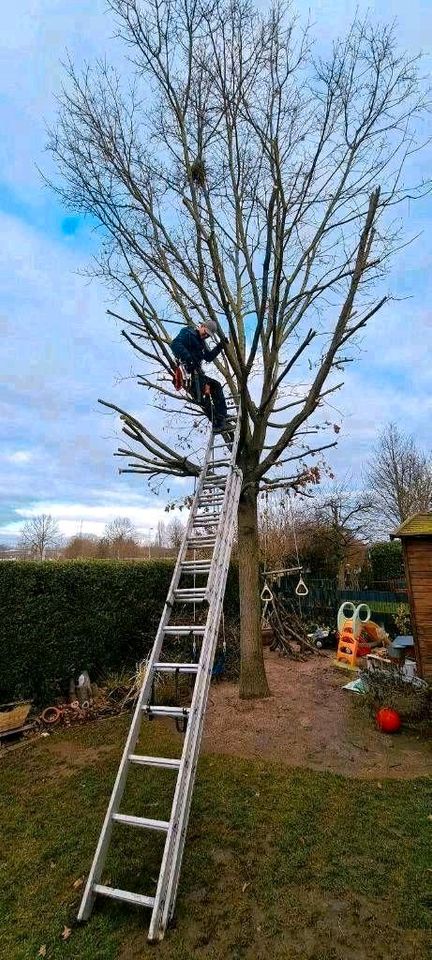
[(386, 561), (61, 617)]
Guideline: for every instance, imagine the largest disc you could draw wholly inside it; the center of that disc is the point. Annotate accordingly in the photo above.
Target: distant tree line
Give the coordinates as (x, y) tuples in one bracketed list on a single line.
[(330, 534), (41, 539)]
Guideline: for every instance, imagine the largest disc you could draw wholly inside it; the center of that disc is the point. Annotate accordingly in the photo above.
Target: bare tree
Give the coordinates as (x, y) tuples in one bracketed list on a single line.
[(174, 532), (121, 536), (160, 534), (327, 530), (39, 534), (120, 528), (278, 515), (341, 518), (241, 178), (399, 478), (82, 545)]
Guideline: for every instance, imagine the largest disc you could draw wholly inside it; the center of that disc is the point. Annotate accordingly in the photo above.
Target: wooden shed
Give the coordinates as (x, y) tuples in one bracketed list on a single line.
[(416, 536)]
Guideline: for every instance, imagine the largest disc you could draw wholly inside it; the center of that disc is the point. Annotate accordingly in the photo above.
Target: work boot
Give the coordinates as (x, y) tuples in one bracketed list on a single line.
[(222, 426), (225, 428)]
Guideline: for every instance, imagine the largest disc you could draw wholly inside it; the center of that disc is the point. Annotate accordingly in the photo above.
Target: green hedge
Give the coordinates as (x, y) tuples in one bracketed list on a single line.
[(386, 561), (61, 617)]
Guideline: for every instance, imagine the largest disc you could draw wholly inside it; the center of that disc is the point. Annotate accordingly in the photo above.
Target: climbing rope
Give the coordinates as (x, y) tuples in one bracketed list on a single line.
[(301, 589)]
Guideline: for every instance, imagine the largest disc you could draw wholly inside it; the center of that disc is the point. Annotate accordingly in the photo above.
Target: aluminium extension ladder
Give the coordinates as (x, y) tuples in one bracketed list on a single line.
[(211, 528)]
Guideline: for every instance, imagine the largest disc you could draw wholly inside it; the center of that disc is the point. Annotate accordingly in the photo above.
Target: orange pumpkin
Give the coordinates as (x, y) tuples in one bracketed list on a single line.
[(388, 720)]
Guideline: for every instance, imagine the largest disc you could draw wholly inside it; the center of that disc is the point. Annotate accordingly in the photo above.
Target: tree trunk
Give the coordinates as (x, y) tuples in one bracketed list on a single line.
[(253, 680)]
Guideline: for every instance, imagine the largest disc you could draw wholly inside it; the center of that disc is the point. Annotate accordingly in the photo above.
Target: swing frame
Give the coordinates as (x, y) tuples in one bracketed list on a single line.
[(301, 589)]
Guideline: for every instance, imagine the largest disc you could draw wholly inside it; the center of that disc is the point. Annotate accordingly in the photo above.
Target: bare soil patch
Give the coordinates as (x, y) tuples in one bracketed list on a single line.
[(310, 721)]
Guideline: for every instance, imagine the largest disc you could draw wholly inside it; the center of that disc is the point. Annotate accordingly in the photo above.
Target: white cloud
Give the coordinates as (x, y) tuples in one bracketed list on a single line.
[(35, 38), (19, 456), (73, 517), (62, 352)]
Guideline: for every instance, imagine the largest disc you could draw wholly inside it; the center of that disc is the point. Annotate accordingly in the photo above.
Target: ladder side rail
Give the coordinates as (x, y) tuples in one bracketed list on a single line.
[(212, 626), (219, 573), (185, 762), (224, 512), (173, 879), (226, 519), (170, 866), (119, 785), (180, 840), (225, 501)]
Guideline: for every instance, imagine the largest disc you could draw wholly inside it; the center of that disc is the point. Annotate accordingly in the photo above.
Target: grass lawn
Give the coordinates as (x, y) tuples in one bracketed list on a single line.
[(278, 863)]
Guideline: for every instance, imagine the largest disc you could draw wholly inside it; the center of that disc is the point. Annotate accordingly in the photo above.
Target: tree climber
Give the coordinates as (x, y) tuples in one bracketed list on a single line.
[(190, 350)]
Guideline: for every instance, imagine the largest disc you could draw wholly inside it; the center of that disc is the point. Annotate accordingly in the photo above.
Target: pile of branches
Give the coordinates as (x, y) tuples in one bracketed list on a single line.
[(289, 635)]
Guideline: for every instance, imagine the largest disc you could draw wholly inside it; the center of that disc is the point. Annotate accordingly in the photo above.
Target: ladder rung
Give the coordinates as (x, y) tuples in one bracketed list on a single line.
[(198, 564), (138, 898), (145, 823), (167, 711), (172, 667), (201, 540), (184, 630), (211, 495), (215, 481), (189, 599), (189, 593), (207, 517), (196, 570), (169, 763), (203, 520), (200, 543)]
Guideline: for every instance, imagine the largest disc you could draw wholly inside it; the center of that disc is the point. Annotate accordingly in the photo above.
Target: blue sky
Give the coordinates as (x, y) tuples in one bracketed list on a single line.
[(60, 351)]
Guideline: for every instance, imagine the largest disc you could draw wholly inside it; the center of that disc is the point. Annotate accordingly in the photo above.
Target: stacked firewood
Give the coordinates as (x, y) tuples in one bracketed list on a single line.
[(289, 635)]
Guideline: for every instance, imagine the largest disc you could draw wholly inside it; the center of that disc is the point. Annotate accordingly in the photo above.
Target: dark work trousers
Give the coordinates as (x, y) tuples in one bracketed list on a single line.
[(217, 410)]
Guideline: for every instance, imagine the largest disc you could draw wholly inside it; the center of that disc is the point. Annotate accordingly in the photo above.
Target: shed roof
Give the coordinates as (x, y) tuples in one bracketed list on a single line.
[(419, 525)]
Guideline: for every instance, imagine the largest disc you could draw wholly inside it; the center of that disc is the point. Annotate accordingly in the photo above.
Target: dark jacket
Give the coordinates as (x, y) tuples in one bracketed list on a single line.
[(190, 349)]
